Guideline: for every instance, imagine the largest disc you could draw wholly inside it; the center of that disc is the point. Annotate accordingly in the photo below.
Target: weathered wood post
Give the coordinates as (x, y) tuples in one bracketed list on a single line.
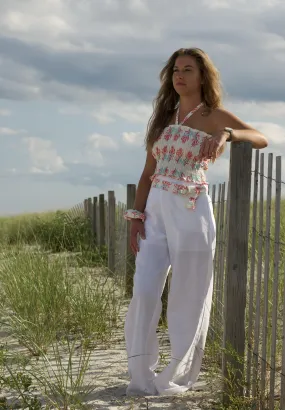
[(236, 272), (85, 205), (130, 258), (89, 207), (266, 278), (252, 277), (101, 239), (111, 230), (90, 214), (164, 299), (94, 221), (276, 283)]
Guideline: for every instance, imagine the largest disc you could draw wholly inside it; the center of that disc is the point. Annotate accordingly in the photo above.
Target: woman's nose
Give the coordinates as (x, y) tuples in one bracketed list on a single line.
[(179, 74)]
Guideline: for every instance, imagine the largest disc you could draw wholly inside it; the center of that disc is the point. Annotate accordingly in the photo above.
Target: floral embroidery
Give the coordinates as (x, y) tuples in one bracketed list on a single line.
[(164, 152), (157, 152), (185, 138), (177, 154), (171, 153), (176, 136), (191, 191), (167, 134), (195, 140), (166, 185)]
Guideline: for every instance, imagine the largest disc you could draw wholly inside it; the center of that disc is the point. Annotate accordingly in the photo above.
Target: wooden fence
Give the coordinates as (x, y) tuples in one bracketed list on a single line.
[(248, 314)]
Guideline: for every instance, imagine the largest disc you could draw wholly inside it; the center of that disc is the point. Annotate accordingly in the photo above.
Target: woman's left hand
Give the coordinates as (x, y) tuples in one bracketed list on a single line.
[(211, 146)]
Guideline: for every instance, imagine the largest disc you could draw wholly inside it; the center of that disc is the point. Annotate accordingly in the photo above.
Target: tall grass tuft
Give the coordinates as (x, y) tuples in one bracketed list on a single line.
[(58, 302), (54, 231), (44, 297)]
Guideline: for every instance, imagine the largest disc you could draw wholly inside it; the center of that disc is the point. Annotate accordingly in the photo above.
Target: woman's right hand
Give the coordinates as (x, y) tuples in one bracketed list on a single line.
[(137, 228)]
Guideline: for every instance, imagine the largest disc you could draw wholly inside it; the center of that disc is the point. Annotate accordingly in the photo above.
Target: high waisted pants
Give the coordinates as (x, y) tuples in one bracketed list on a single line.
[(185, 240)]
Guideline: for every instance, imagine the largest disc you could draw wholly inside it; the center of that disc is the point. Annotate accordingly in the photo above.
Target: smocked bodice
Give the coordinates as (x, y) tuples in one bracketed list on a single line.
[(176, 152)]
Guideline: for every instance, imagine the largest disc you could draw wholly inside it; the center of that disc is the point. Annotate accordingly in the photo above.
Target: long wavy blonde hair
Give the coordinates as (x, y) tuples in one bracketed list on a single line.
[(167, 98)]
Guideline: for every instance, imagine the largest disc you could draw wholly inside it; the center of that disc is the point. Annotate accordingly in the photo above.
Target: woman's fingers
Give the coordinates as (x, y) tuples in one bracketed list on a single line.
[(206, 149), (134, 243), (137, 228), (202, 149), (142, 231), (209, 149)]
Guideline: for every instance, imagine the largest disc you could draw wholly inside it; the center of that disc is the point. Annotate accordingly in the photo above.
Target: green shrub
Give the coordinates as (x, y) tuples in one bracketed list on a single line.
[(55, 231), (44, 298)]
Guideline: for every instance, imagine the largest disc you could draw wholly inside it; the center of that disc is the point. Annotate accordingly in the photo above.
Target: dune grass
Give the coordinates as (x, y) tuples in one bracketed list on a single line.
[(56, 299)]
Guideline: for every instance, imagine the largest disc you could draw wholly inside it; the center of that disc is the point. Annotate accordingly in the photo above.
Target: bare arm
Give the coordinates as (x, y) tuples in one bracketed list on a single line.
[(211, 148), (145, 182), (137, 226), (242, 132)]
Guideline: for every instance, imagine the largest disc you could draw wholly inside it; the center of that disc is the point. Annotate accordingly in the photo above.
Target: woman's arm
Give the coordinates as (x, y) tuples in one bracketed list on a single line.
[(145, 182), (137, 214), (213, 147), (242, 132)]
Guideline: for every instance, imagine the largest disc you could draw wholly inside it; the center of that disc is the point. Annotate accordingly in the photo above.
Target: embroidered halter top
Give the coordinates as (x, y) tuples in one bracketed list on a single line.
[(176, 152)]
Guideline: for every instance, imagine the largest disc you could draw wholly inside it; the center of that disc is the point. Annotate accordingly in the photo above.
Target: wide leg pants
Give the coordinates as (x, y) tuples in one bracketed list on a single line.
[(185, 240)]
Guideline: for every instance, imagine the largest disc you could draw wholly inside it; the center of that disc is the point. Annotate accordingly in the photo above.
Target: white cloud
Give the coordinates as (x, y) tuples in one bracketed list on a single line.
[(133, 138), (93, 158), (134, 111), (73, 24), (217, 4), (274, 132), (238, 4), (257, 109), (4, 113), (70, 110), (101, 59), (12, 171), (98, 141), (59, 41), (92, 150), (10, 131), (44, 158), (18, 21), (103, 117)]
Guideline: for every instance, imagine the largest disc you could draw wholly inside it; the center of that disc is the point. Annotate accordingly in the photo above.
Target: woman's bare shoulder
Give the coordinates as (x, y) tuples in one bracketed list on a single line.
[(221, 118)]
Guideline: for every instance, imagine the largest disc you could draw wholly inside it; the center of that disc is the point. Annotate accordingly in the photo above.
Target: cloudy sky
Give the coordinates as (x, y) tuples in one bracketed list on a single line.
[(77, 80)]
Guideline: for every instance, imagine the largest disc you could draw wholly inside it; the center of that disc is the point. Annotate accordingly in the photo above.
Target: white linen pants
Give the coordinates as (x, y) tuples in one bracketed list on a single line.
[(185, 240)]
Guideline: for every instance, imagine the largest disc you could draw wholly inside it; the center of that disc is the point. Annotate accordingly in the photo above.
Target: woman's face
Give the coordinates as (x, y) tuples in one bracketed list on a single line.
[(186, 76)]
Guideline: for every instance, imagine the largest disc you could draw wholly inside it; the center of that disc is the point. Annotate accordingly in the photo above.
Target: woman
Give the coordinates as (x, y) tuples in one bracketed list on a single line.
[(173, 216)]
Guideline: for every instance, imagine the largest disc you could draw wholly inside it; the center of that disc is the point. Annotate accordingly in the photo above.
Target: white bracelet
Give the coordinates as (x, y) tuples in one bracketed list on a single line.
[(133, 214)]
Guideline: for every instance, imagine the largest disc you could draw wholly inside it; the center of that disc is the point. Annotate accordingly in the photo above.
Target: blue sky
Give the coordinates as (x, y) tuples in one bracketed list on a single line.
[(77, 80)]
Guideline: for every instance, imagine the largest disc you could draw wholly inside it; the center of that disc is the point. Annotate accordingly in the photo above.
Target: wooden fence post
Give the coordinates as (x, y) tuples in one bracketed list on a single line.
[(266, 282), (259, 281), (214, 196), (276, 283), (106, 220), (101, 239), (252, 277), (111, 230), (94, 221), (89, 207), (236, 274), (85, 204), (164, 299), (90, 213), (130, 258)]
